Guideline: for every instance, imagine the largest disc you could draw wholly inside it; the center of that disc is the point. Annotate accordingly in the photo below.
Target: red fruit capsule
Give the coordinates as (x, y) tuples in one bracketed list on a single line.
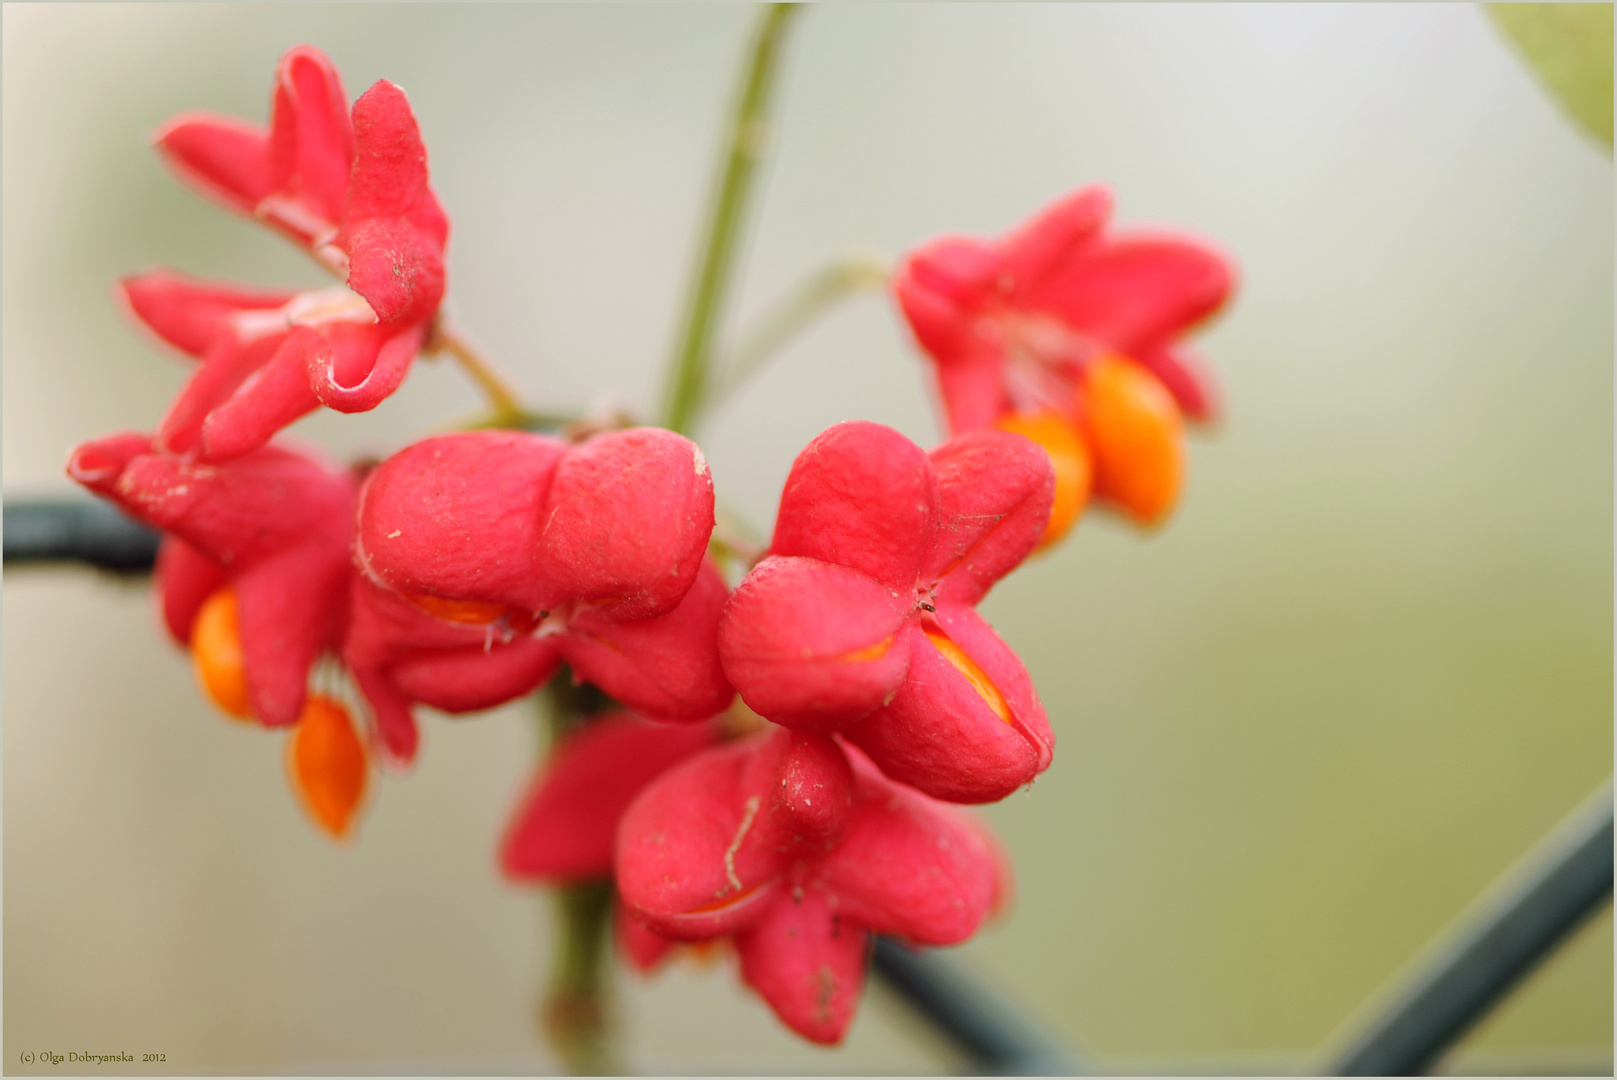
[(862, 618), (1034, 324)]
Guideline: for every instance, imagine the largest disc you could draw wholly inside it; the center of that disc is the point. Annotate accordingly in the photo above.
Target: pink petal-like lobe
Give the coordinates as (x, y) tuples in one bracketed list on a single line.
[(860, 495), (995, 491), (566, 823), (808, 963), (630, 515), (799, 848), (813, 645), (940, 734)]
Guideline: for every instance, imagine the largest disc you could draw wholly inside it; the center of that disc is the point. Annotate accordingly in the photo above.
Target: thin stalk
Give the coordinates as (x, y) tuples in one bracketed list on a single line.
[(728, 545), (576, 1015), (744, 146), (577, 1002), (502, 398), (518, 420), (735, 541), (789, 317)]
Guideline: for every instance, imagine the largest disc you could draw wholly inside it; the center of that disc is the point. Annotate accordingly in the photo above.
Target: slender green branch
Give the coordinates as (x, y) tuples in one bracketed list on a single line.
[(577, 1004), (789, 317), (576, 1015), (744, 146)]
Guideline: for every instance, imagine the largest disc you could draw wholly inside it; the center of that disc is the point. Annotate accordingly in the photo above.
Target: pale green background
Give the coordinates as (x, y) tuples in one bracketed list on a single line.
[(1366, 666)]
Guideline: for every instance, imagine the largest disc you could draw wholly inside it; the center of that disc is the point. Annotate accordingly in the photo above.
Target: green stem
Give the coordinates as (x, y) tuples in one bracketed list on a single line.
[(577, 1004), (811, 299), (501, 397), (744, 145), (517, 420), (576, 1016), (571, 704)]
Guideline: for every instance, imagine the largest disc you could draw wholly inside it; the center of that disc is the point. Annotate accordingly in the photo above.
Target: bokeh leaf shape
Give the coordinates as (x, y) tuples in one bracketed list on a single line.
[(1569, 46)]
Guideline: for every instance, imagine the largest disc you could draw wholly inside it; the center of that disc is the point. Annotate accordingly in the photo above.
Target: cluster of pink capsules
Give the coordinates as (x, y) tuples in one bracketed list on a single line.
[(465, 570)]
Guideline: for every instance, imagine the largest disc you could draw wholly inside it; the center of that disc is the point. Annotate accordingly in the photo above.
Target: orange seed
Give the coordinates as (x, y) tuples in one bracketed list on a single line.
[(869, 652), (216, 654), (326, 764), (1061, 441), (975, 675), (1134, 431), (473, 612)]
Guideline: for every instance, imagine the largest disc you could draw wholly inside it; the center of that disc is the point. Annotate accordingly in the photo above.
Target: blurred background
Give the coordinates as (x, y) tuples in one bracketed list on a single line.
[(1363, 669)]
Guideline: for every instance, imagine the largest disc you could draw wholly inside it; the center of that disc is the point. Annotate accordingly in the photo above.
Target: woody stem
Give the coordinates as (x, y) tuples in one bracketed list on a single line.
[(744, 146)]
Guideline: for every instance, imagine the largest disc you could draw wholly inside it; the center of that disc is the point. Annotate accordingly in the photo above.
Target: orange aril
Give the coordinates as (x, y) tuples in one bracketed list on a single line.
[(976, 676), (1134, 433), (1068, 458), (704, 954), (473, 612), (326, 763), (726, 903), (216, 654), (869, 652)]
